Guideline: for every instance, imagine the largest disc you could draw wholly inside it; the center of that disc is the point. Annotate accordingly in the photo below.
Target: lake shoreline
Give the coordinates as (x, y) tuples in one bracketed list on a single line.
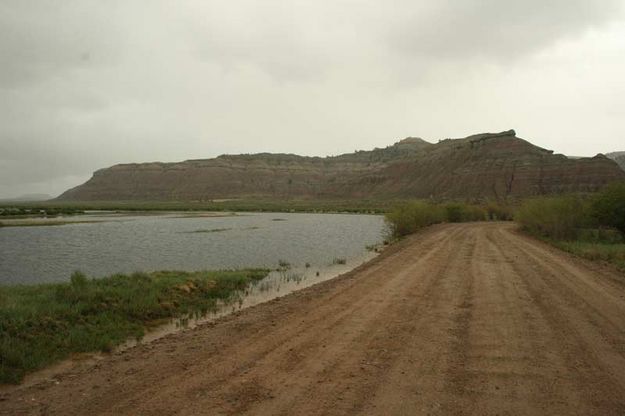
[(45, 323), (252, 293)]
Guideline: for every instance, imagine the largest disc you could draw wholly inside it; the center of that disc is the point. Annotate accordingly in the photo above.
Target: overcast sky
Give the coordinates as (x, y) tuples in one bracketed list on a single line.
[(88, 84)]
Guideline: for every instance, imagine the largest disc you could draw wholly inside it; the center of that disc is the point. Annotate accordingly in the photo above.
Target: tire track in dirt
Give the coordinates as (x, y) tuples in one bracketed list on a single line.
[(342, 387), (324, 347), (582, 319)]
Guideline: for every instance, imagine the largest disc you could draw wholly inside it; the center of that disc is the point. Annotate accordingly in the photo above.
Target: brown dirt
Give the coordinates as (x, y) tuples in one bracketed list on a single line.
[(459, 319)]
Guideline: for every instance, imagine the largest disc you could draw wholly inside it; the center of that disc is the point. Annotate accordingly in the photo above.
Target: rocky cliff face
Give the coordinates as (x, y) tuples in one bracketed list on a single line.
[(618, 157), (497, 165)]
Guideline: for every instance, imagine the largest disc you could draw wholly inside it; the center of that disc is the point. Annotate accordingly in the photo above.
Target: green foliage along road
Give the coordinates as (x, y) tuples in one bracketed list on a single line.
[(592, 227), (409, 217)]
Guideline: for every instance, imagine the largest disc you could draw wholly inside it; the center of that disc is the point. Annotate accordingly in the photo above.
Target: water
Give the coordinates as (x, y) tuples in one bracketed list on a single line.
[(276, 284), (124, 244)]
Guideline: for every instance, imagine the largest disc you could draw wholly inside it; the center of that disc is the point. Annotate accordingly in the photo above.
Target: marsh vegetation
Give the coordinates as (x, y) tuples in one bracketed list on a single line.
[(42, 324)]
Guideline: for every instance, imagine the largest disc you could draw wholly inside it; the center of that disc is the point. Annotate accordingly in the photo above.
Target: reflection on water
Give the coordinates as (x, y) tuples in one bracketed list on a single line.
[(128, 243)]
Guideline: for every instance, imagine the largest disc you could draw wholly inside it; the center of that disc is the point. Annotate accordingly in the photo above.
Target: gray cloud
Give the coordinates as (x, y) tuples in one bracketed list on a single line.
[(86, 84), (42, 40), (497, 29)]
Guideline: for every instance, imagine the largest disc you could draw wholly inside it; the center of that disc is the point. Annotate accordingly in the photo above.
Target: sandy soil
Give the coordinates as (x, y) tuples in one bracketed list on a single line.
[(459, 319)]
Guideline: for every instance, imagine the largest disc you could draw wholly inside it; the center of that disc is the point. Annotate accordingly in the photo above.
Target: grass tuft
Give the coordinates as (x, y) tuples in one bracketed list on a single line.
[(283, 265)]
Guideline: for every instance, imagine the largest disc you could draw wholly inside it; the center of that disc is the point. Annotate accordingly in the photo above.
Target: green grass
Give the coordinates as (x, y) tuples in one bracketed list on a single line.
[(609, 253), (42, 324)]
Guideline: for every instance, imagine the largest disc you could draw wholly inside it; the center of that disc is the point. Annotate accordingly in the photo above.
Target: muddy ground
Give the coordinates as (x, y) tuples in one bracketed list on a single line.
[(458, 319)]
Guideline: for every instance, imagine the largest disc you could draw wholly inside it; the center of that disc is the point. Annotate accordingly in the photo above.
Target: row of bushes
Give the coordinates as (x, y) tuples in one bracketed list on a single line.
[(410, 217), (599, 217)]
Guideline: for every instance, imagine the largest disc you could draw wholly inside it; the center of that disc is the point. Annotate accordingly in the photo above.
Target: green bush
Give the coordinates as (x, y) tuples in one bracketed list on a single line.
[(453, 212), (593, 228), (571, 217), (498, 212), (560, 218), (457, 212), (608, 207), (412, 216)]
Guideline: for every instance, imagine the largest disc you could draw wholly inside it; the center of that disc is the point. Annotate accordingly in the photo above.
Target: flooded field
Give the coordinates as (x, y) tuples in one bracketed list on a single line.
[(315, 246), (278, 283)]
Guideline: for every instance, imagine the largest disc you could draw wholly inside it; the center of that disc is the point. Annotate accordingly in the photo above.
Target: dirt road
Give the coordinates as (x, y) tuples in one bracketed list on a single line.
[(459, 319)]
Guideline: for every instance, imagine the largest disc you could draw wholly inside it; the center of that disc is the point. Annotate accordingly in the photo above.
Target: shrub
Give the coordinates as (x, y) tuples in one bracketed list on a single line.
[(608, 207), (408, 218), (412, 216), (457, 212), (498, 212), (453, 212), (555, 217)]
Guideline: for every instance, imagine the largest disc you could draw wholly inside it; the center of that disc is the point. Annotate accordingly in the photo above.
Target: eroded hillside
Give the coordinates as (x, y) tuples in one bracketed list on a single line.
[(498, 165)]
